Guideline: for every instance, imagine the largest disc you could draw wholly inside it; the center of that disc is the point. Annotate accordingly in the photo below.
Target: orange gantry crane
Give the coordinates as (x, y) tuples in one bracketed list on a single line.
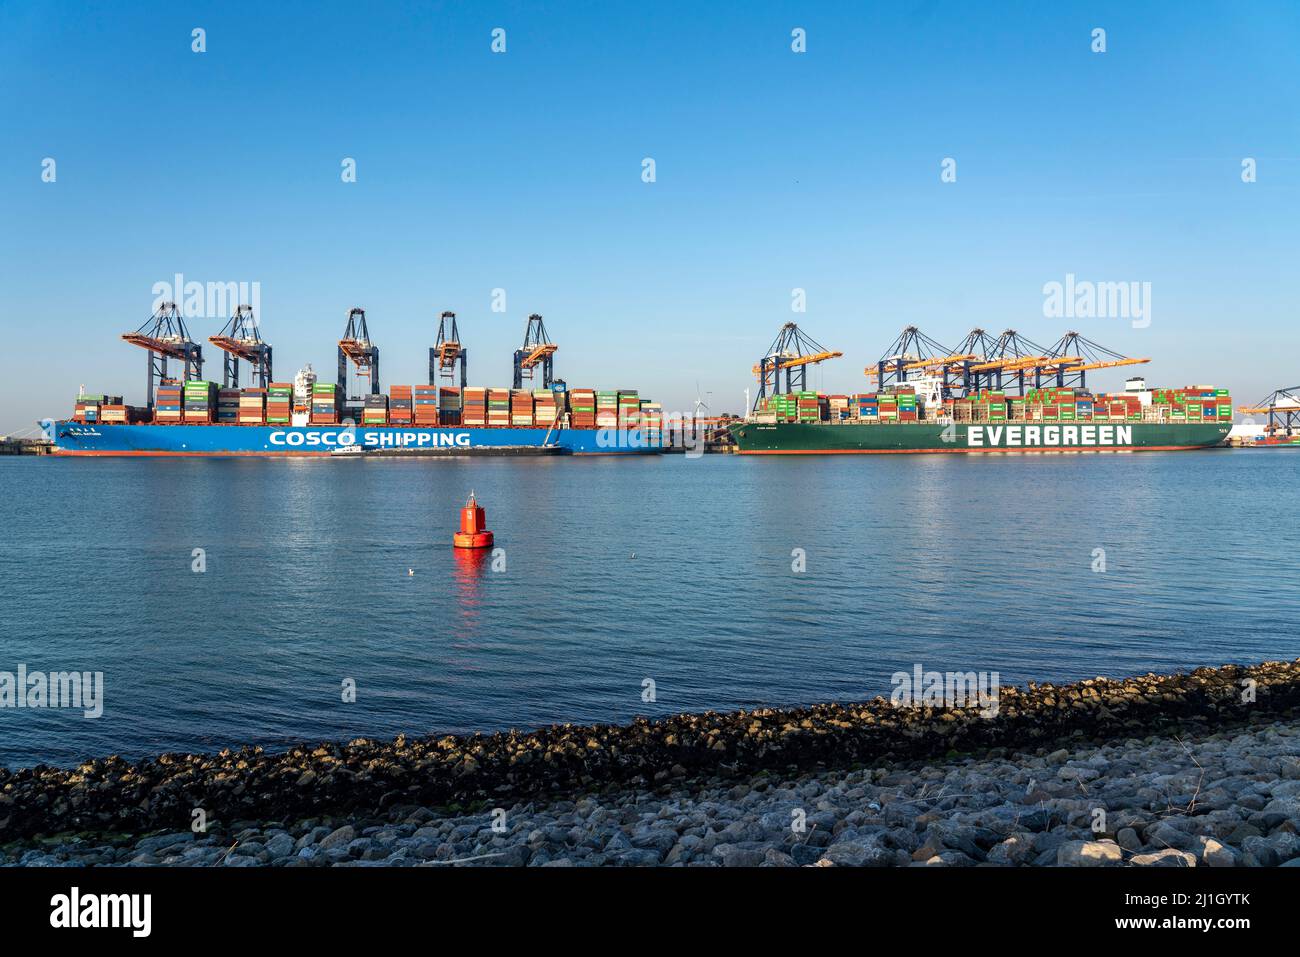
[(356, 347), (981, 362), (165, 337), (447, 354), (537, 353), (792, 352), (240, 339), (1282, 407)]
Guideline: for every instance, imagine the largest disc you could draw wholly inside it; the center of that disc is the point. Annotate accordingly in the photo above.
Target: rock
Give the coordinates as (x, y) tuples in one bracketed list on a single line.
[(1215, 854), (736, 855), (775, 858), (338, 838), (163, 842), (1014, 851), (1128, 839), (279, 846), (659, 840), (1164, 834), (1088, 854), (1167, 857), (805, 854)]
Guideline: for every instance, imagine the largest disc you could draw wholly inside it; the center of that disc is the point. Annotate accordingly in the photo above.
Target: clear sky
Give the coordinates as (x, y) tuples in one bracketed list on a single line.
[(522, 171)]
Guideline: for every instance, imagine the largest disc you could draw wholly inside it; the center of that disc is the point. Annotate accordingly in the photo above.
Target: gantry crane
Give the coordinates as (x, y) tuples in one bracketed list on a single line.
[(165, 337), (1073, 357), (1282, 408), (1011, 356), (538, 351), (792, 352), (240, 339), (356, 347), (447, 352), (1010, 362), (912, 355)]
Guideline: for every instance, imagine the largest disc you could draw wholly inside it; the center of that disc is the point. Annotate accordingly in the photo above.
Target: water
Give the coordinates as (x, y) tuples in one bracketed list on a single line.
[(953, 562)]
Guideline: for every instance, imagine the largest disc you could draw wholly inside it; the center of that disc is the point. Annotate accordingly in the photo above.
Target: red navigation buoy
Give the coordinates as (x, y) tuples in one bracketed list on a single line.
[(472, 534)]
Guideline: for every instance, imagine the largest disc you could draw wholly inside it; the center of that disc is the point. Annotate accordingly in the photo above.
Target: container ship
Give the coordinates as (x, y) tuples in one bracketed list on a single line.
[(191, 415), (199, 418), (988, 395)]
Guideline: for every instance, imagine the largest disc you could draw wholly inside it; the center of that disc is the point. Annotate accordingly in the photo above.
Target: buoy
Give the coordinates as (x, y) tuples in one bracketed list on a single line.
[(472, 534)]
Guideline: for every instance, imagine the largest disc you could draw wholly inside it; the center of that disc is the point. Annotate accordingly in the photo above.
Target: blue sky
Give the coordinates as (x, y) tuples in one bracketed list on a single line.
[(522, 171)]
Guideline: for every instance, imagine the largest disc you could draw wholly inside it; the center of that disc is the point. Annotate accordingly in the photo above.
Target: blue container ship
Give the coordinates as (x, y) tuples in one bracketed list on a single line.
[(76, 438)]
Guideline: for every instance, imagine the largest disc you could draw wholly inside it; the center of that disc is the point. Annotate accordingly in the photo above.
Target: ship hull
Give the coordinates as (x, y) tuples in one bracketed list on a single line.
[(798, 438), (71, 438)]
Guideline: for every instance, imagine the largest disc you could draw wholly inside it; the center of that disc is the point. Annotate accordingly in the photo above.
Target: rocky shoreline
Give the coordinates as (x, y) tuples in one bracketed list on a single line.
[(1184, 769)]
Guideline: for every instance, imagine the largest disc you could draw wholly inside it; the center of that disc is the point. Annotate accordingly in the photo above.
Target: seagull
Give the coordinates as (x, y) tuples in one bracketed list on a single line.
[(634, 554), (410, 572)]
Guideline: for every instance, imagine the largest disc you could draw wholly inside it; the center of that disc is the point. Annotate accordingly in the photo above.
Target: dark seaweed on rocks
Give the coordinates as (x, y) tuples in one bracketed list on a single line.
[(114, 795)]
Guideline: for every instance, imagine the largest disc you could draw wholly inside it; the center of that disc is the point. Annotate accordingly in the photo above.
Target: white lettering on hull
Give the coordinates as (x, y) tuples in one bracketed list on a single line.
[(386, 439), (1048, 436)]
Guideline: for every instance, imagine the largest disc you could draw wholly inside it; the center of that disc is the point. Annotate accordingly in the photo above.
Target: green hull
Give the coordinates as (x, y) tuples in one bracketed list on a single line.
[(794, 438)]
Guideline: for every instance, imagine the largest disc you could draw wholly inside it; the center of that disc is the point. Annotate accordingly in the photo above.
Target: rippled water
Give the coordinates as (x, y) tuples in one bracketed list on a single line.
[(617, 570)]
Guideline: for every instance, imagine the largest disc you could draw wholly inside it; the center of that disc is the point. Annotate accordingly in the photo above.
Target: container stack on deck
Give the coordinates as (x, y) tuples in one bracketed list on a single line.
[(325, 404), (279, 403), (228, 406), (425, 404), (498, 408), (252, 407), (521, 408), (1047, 404), (401, 405), (200, 398), (652, 422), (117, 413), (449, 405), (606, 409), (168, 403), (629, 409), (545, 408), (582, 408), (89, 407), (375, 411), (474, 412)]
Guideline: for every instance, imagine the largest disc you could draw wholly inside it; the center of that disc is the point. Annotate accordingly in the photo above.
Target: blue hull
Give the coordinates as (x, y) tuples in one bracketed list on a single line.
[(76, 439)]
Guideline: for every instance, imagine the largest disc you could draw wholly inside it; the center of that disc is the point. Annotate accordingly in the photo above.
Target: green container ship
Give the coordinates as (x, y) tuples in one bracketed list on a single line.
[(830, 438)]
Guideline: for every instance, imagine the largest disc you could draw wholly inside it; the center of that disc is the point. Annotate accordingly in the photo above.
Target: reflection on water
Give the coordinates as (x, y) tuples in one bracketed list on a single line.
[(471, 565)]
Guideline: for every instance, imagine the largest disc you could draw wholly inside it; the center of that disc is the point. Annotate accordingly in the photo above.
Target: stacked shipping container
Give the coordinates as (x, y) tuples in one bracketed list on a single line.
[(279, 403), (252, 407), (325, 403), (449, 405), (474, 411), (200, 397), (425, 404), (401, 405), (582, 408)]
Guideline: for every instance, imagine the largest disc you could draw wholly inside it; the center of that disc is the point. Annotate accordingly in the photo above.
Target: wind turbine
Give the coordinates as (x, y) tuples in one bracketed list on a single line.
[(699, 402)]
